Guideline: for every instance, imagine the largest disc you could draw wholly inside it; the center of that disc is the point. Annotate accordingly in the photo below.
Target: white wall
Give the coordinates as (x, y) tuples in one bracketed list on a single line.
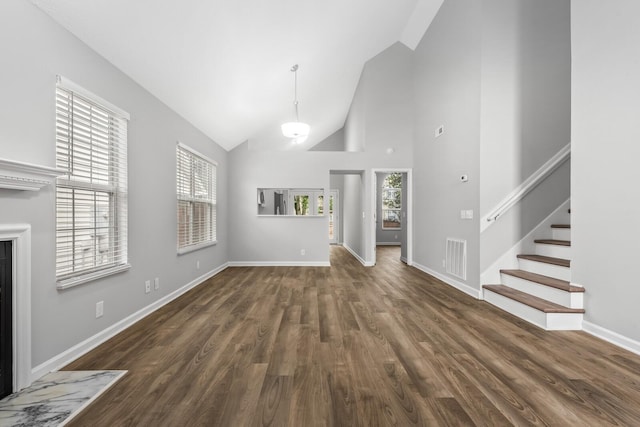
[(605, 134), (447, 92), (34, 50)]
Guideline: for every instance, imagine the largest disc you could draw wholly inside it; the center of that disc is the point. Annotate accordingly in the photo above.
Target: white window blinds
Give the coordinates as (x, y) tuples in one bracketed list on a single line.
[(196, 199), (91, 196)]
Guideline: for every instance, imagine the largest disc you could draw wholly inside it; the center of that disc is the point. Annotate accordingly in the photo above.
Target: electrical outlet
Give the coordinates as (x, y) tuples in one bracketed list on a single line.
[(99, 309), (147, 286), (303, 252), (156, 283), (444, 263), (197, 265)]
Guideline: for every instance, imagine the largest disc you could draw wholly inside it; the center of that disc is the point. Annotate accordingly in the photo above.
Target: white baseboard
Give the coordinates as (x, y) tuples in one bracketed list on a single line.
[(476, 293), (612, 337), (279, 264), (90, 343), (358, 257), (388, 244)]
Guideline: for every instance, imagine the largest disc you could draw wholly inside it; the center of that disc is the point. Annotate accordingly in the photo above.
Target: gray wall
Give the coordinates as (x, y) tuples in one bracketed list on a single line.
[(525, 113), (605, 134), (34, 51), (447, 92), (380, 117), (334, 142), (354, 223), (525, 86)]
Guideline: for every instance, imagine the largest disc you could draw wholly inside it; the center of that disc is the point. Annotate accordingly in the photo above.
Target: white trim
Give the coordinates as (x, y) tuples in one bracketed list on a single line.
[(94, 397), (612, 337), (67, 84), (279, 264), (290, 216), (463, 287), (90, 343), (388, 243), (358, 257), (16, 175), (408, 210), (197, 153), (190, 248), (89, 277), (523, 189), (20, 236)]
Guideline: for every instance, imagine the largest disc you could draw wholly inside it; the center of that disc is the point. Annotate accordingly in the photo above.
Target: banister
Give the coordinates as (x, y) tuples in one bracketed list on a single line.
[(523, 189)]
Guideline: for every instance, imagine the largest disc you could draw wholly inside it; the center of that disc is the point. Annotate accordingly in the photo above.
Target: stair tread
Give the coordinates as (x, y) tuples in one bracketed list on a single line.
[(560, 225), (530, 300), (544, 280), (546, 259), (553, 242)]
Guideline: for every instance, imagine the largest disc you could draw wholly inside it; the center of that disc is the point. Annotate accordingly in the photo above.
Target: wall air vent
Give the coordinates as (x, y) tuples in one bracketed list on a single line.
[(456, 257)]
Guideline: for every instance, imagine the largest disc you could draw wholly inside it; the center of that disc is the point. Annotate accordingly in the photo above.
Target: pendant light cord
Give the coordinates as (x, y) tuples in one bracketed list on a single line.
[(295, 90)]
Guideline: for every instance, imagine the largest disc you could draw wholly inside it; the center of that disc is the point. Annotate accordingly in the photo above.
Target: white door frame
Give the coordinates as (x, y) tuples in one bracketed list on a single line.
[(409, 210)]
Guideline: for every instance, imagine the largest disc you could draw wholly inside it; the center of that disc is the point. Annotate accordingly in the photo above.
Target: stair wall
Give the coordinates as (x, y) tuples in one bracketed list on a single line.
[(508, 260)]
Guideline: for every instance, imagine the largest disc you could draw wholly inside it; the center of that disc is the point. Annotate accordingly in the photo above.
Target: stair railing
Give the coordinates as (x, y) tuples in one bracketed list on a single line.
[(523, 189)]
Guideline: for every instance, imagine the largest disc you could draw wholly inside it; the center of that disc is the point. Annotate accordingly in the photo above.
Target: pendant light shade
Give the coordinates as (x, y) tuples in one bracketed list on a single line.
[(297, 130)]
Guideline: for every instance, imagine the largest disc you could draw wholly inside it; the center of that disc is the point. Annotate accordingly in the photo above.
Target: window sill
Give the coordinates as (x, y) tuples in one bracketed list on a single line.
[(191, 248), (79, 280)]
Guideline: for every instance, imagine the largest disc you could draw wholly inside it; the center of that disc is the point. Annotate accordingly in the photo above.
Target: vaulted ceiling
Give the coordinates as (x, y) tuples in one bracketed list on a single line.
[(224, 64)]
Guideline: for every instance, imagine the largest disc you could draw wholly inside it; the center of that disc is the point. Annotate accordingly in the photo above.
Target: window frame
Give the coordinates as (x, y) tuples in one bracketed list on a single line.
[(115, 189), (385, 195), (193, 200)]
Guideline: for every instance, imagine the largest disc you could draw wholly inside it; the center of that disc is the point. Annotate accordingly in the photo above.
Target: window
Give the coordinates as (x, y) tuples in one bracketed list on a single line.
[(91, 195), (391, 201), (307, 202), (196, 192)]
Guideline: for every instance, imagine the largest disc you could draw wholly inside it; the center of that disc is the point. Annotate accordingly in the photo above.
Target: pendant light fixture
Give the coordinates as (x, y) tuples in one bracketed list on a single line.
[(297, 130)]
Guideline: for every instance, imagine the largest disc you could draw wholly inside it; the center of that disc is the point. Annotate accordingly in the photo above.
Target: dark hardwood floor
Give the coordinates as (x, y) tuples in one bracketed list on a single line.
[(354, 346)]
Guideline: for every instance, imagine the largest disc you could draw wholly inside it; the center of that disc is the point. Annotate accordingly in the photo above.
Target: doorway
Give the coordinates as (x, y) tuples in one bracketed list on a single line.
[(334, 216), (6, 317), (392, 206)]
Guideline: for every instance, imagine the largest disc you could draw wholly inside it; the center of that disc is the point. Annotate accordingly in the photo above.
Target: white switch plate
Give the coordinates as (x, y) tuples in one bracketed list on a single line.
[(99, 309), (147, 286), (466, 214)]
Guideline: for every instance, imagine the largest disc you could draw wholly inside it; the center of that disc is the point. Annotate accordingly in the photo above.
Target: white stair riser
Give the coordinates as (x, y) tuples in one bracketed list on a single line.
[(561, 233), (564, 321), (522, 311), (551, 270), (555, 251), (558, 296), (551, 321)]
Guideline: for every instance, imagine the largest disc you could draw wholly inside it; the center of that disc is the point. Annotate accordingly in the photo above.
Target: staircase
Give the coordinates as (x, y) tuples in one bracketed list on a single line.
[(539, 291)]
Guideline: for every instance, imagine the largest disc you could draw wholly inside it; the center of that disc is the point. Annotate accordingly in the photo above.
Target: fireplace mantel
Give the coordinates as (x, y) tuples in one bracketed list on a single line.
[(25, 176)]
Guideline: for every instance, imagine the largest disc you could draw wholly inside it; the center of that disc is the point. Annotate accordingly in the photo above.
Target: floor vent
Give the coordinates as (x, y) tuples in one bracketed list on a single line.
[(456, 258)]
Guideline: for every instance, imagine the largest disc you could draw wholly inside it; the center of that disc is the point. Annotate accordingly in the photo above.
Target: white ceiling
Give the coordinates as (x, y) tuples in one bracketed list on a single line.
[(224, 64)]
